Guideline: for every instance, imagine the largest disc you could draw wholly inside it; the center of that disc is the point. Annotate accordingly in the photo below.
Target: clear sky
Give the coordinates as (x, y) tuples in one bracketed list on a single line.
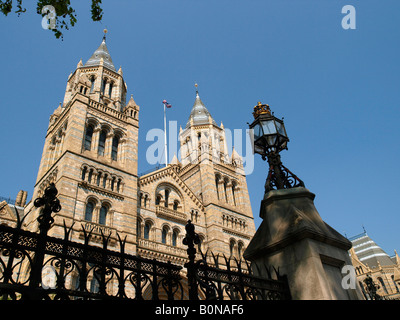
[(337, 89)]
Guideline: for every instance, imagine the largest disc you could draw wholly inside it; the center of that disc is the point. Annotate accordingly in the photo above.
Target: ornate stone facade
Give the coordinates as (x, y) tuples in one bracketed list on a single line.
[(370, 260), (91, 154)]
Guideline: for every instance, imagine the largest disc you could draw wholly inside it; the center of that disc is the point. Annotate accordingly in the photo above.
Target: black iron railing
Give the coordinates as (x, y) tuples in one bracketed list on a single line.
[(37, 266), (73, 270), (216, 277)]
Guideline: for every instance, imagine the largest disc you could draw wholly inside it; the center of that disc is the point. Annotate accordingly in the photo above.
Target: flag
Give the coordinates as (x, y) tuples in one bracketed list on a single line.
[(166, 104)]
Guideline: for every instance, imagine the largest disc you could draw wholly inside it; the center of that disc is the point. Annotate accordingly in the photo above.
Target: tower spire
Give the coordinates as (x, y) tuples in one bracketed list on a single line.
[(199, 114), (101, 52)]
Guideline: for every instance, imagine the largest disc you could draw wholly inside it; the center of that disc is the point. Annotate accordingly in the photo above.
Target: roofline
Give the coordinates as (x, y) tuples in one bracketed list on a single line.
[(358, 236)]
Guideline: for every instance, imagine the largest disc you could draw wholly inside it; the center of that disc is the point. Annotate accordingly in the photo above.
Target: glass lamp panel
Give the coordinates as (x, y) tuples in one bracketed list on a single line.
[(268, 126), (271, 140), (281, 128), (257, 131)]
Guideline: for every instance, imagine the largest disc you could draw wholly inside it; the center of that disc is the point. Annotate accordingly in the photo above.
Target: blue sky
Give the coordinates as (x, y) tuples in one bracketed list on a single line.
[(336, 89)]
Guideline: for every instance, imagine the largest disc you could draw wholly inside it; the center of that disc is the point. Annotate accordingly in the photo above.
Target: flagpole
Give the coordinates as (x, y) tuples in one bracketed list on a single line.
[(165, 136)]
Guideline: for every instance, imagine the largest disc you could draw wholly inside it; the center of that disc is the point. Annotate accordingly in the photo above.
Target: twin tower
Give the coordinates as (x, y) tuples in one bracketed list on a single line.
[(91, 154)]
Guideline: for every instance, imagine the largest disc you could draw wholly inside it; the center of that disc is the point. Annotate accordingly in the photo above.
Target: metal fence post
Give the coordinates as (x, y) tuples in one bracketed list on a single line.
[(51, 204), (190, 240)]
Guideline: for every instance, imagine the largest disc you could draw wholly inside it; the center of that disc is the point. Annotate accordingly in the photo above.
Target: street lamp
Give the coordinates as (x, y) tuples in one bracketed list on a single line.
[(269, 137)]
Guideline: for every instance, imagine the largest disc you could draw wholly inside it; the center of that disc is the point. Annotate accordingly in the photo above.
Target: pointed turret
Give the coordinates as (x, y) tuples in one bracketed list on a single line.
[(101, 53), (174, 160), (236, 158), (98, 80), (131, 102), (396, 258), (199, 114)]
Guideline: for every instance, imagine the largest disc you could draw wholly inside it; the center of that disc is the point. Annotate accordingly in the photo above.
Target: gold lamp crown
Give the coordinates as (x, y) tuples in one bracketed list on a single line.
[(261, 109)]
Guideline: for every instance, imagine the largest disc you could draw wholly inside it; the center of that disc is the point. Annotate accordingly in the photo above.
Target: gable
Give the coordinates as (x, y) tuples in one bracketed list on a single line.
[(169, 175)]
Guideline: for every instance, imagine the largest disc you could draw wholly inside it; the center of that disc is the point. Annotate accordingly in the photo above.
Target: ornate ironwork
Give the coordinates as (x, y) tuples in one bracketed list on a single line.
[(37, 266), (224, 281), (81, 271), (190, 240), (280, 177), (372, 288), (261, 109)]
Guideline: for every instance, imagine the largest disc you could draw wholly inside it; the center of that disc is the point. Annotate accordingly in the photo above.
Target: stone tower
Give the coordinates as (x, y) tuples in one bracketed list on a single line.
[(207, 186), (219, 180), (90, 152)]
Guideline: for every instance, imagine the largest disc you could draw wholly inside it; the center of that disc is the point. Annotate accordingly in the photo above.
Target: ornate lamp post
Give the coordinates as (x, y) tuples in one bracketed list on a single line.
[(292, 233), (269, 138)]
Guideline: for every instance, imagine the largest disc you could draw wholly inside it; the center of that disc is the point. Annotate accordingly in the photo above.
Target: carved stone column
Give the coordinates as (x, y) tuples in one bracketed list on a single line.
[(229, 192), (96, 214), (108, 145), (95, 139), (221, 192)]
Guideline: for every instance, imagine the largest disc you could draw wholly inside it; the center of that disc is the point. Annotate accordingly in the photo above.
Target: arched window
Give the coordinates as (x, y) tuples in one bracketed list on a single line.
[(216, 185), (233, 193), (103, 85), (194, 215), (146, 197), (164, 235), (94, 283), (98, 178), (240, 249), (176, 203), (158, 200), (232, 247), (395, 285), (89, 211), (105, 181), (84, 173), (103, 215), (92, 84), (90, 175), (102, 142), (112, 183), (118, 185), (110, 89), (225, 187), (383, 285), (114, 151), (174, 237), (88, 137), (140, 199), (147, 228), (166, 198)]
